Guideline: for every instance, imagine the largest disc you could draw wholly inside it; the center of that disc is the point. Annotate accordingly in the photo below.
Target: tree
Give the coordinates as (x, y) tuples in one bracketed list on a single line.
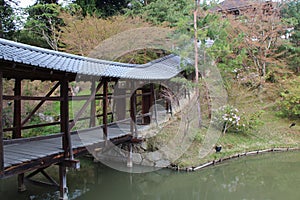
[(291, 17), (82, 35), (261, 28), (291, 13), (159, 12), (102, 8), (7, 16), (44, 23)]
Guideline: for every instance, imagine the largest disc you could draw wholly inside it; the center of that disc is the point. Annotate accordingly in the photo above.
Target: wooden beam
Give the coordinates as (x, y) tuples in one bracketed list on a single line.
[(93, 105), (40, 104), (50, 123), (25, 71), (33, 165), (84, 107), (30, 139), (64, 119), (17, 110), (105, 104), (1, 125), (29, 98), (86, 97)]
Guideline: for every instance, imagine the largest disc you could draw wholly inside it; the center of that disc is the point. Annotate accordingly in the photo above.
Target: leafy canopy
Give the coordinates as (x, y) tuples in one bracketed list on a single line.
[(7, 16)]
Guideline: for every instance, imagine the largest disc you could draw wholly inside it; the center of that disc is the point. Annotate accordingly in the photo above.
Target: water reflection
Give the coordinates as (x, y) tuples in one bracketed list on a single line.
[(269, 176)]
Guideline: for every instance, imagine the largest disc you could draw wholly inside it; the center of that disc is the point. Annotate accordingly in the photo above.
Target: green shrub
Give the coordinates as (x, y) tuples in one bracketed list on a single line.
[(289, 106), (198, 137)]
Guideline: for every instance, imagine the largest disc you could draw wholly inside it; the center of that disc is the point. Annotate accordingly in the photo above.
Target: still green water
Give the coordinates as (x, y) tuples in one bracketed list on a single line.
[(261, 177)]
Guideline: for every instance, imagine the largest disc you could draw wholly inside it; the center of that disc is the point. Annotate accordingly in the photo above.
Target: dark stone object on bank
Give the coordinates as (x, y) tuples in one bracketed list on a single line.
[(218, 149), (292, 124)]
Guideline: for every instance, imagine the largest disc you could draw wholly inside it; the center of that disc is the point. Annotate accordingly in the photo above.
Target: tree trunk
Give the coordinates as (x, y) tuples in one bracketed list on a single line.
[(196, 66)]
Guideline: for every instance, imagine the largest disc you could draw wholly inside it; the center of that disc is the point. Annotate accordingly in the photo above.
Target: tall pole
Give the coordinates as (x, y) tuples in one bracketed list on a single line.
[(196, 64), (196, 43)]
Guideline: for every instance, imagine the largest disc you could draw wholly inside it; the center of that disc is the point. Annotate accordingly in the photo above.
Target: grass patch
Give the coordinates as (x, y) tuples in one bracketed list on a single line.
[(270, 131)]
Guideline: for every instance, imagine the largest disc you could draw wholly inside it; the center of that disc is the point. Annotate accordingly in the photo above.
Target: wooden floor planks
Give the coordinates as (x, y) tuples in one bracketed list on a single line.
[(19, 153)]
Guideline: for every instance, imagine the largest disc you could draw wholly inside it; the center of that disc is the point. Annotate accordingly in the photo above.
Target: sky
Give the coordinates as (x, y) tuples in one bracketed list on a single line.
[(26, 3)]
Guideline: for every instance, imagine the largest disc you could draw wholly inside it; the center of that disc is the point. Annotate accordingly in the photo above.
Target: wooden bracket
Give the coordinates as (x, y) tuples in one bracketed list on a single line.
[(75, 164)]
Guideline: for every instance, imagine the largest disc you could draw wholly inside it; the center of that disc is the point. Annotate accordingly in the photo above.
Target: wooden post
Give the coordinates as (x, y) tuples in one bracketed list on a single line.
[(146, 104), (63, 182), (133, 127), (104, 104), (93, 105), (129, 156), (154, 103), (66, 139), (17, 110), (64, 119), (1, 125), (17, 125), (21, 185), (120, 103), (131, 113)]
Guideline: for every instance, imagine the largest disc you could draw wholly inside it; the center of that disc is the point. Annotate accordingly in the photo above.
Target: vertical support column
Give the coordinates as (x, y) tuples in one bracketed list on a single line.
[(17, 110), (133, 127), (104, 104), (64, 119), (21, 184), (17, 125), (93, 105), (152, 99), (1, 125), (146, 104), (153, 93), (66, 138), (129, 156), (63, 189), (120, 101)]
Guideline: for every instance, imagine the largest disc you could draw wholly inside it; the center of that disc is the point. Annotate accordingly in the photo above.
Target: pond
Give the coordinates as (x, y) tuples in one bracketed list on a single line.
[(266, 176)]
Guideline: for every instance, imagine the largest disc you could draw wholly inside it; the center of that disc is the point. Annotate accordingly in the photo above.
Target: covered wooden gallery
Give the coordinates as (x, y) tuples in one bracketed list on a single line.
[(20, 62)]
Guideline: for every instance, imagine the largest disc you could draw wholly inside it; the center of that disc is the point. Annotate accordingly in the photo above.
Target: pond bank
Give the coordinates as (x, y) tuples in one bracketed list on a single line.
[(221, 160)]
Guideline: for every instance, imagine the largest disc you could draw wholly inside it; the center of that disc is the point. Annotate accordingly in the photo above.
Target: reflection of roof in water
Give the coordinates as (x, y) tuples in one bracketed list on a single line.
[(160, 69)]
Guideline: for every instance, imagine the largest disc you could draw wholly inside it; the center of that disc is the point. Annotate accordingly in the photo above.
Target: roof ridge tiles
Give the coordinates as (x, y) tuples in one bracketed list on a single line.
[(60, 53), (161, 68)]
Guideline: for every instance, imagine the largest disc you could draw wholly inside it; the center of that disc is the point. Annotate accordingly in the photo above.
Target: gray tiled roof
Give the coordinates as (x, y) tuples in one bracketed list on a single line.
[(228, 5), (161, 69)]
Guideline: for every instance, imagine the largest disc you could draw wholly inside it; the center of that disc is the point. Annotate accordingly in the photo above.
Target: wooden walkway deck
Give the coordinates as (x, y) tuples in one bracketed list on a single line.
[(17, 155)]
